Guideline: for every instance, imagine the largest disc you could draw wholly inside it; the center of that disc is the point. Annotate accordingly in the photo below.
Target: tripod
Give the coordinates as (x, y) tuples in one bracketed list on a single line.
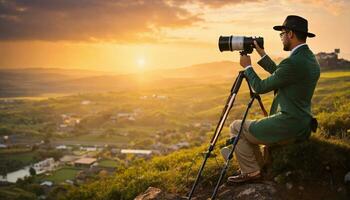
[(229, 103)]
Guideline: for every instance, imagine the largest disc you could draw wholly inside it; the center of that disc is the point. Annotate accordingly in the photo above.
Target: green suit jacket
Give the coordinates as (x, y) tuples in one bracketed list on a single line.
[(294, 81)]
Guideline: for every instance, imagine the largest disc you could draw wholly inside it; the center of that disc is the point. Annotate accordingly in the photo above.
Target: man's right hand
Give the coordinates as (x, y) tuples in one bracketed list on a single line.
[(260, 51)]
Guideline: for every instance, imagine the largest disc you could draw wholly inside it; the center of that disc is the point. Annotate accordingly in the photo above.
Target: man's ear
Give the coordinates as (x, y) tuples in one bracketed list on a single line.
[(291, 34)]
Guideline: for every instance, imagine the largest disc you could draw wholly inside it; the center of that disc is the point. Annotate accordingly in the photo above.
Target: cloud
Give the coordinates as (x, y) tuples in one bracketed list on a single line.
[(213, 3), (89, 20), (94, 20), (335, 7)]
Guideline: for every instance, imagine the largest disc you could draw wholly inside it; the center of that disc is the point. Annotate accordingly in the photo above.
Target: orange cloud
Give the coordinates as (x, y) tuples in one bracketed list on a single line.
[(334, 7), (94, 20), (89, 20), (212, 3)]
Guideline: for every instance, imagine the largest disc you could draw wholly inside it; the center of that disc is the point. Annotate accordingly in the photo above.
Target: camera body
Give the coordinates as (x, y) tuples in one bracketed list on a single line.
[(239, 43)]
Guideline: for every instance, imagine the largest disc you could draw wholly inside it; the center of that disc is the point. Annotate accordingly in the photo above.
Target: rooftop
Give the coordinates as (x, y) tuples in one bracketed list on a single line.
[(86, 161)]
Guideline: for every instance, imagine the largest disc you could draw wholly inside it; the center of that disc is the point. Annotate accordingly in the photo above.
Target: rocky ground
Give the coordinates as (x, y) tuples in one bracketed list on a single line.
[(261, 190)]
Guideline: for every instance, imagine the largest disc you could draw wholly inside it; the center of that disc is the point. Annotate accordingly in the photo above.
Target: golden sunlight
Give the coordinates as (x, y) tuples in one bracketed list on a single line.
[(140, 63)]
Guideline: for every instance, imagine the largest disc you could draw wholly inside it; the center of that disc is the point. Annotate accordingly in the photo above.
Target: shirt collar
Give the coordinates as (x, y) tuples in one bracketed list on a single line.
[(295, 48)]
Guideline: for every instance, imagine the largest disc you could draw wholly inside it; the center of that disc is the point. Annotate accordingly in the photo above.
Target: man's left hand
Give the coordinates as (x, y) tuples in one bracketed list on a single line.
[(245, 61)]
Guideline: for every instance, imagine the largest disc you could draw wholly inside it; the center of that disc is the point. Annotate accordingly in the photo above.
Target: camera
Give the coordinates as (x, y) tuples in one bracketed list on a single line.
[(239, 43)]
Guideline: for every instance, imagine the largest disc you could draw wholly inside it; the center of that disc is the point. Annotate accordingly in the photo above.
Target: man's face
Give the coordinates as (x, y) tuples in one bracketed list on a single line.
[(285, 40)]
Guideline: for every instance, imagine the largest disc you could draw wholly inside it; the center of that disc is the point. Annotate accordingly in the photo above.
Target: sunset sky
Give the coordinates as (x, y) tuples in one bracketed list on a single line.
[(126, 36)]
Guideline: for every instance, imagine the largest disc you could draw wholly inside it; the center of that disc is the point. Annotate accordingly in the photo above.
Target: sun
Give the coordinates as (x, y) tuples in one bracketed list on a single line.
[(141, 63)]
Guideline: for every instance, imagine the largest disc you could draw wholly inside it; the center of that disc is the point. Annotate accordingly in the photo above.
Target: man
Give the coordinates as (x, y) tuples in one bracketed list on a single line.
[(293, 81)]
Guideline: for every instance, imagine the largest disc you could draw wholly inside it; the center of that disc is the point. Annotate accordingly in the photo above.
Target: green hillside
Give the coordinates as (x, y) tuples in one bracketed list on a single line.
[(168, 115), (313, 163)]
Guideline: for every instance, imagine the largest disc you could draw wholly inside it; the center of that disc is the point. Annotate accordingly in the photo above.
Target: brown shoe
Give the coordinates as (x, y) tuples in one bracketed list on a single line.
[(244, 177)]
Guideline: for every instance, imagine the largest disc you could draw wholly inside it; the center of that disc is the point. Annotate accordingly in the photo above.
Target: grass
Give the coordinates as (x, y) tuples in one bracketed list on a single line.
[(16, 150), (335, 74), (26, 158), (66, 173), (14, 193), (108, 163)]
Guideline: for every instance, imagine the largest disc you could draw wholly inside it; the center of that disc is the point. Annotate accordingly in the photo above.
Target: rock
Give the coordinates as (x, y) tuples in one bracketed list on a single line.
[(279, 179), (339, 189), (247, 192), (150, 193), (156, 194), (347, 178), (289, 186), (288, 173), (328, 168), (263, 191)]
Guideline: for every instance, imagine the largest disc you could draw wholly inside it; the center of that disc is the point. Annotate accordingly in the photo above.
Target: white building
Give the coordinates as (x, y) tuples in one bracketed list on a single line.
[(62, 147), (136, 151), (46, 183), (88, 148), (48, 164)]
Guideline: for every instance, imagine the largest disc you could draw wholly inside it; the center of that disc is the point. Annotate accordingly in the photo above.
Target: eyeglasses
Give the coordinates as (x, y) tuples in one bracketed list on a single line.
[(282, 33)]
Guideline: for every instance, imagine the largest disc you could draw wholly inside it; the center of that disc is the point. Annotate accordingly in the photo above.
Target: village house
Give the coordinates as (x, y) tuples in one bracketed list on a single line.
[(131, 116), (69, 121), (331, 60), (85, 162), (48, 164), (68, 159), (88, 148), (63, 147)]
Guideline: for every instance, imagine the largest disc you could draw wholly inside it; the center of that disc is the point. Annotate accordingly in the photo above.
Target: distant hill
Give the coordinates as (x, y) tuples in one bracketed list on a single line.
[(41, 81), (36, 81)]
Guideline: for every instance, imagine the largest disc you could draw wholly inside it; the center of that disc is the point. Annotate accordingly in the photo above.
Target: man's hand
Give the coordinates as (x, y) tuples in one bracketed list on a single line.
[(260, 51), (245, 61)]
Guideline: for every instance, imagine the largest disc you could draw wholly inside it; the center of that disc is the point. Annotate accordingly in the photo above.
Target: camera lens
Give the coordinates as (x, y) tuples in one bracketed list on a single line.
[(239, 43), (231, 43), (225, 43)]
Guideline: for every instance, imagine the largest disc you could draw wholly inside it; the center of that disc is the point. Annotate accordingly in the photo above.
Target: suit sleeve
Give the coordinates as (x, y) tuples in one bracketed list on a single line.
[(267, 63), (284, 74)]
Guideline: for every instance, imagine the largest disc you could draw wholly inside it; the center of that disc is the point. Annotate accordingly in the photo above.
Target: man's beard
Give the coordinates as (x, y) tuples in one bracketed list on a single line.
[(286, 46)]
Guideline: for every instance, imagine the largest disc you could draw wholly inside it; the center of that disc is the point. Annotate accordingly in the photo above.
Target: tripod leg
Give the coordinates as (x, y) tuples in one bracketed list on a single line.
[(224, 169), (211, 147), (225, 112), (257, 96)]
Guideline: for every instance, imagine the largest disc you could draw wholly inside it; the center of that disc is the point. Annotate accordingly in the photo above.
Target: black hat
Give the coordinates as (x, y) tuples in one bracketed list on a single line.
[(295, 23)]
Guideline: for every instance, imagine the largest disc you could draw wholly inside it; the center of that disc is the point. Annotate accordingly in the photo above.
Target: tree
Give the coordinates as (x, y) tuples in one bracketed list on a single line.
[(47, 138), (32, 171)]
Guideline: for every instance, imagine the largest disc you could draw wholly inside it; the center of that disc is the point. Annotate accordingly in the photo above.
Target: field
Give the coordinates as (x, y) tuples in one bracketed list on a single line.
[(61, 175), (14, 160), (108, 163), (25, 158)]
